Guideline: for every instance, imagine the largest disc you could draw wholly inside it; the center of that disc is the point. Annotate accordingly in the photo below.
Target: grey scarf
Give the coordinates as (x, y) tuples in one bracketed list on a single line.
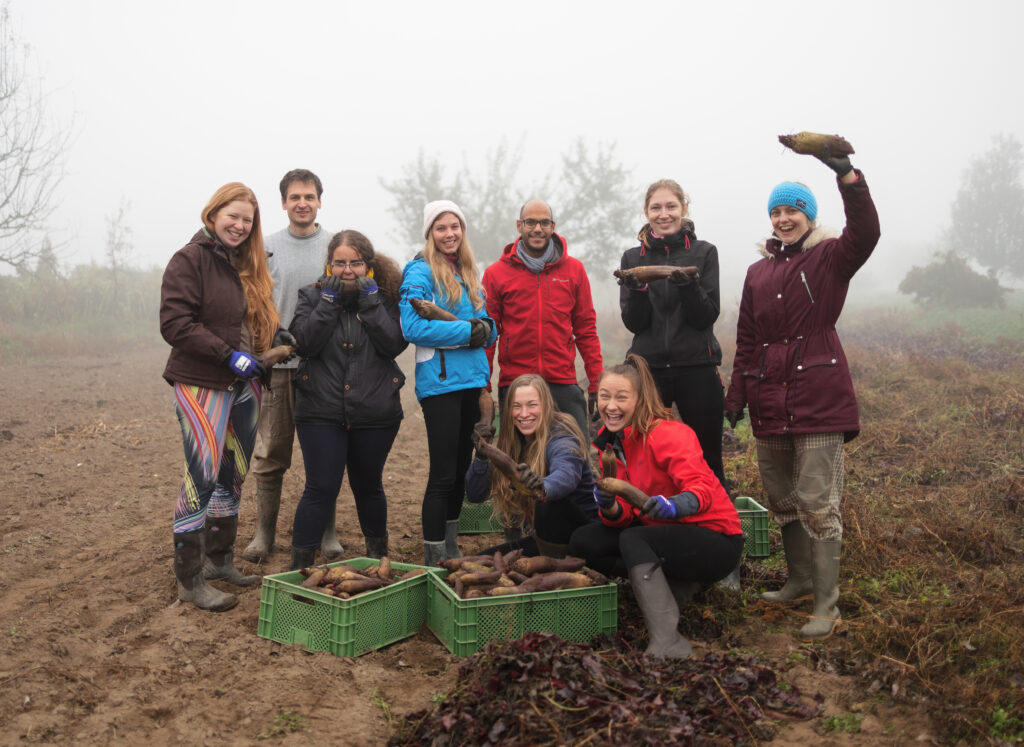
[(536, 264)]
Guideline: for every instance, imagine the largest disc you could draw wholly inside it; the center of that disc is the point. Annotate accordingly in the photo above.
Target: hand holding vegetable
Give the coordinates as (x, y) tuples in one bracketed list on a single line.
[(629, 280), (479, 331), (368, 297), (481, 432), (331, 289), (244, 366), (592, 407), (838, 163), (530, 479), (684, 275), (733, 416), (673, 507)]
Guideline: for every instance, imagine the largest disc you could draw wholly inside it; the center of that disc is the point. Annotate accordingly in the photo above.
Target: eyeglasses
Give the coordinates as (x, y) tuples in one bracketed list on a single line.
[(354, 265), (532, 223)]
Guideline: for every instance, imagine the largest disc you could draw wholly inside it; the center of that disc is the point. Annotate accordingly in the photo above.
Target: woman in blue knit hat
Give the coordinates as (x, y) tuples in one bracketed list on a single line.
[(791, 375)]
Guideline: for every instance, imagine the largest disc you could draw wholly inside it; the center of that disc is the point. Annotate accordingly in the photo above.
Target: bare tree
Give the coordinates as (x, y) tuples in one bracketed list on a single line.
[(31, 152), (119, 243)]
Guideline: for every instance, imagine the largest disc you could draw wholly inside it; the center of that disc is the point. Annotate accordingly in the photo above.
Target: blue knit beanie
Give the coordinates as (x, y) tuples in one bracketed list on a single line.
[(795, 195)]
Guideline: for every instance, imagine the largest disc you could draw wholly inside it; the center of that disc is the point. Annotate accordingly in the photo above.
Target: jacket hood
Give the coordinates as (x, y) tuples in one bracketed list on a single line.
[(508, 254), (771, 246)]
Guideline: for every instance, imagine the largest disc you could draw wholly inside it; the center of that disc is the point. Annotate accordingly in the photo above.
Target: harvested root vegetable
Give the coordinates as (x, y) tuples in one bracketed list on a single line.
[(486, 404), (275, 355), (354, 586), (507, 467), (597, 577), (412, 574), (555, 581), (314, 578), (478, 579), (814, 144), (384, 569), (650, 273), (431, 311), (634, 496), (609, 466), (544, 564)]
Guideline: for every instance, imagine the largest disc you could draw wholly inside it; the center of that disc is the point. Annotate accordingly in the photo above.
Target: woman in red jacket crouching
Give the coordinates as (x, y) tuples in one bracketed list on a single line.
[(688, 533)]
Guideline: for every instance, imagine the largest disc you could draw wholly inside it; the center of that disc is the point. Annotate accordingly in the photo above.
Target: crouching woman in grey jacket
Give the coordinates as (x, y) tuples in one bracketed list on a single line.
[(347, 390)]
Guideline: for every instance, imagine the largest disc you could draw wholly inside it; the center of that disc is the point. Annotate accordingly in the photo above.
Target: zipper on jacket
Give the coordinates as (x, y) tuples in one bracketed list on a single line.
[(806, 285), (444, 374)]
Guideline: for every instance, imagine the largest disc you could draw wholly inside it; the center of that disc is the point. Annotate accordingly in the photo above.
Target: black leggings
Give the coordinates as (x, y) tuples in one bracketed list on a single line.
[(555, 521), (449, 419), (698, 395), (689, 552), (326, 451)]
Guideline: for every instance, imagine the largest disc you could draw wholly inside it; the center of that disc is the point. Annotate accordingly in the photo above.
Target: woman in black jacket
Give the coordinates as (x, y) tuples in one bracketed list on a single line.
[(347, 402), (672, 320)]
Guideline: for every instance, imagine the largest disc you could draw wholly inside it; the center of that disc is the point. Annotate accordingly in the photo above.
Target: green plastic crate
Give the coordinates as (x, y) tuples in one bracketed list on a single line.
[(464, 626), (754, 521), (345, 627), (478, 518)]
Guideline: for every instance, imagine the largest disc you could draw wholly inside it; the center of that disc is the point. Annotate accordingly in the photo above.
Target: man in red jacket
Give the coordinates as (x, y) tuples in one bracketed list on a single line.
[(540, 299)]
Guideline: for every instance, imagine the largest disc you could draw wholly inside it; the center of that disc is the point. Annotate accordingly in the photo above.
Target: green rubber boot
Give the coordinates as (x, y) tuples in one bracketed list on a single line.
[(825, 575), (797, 544)]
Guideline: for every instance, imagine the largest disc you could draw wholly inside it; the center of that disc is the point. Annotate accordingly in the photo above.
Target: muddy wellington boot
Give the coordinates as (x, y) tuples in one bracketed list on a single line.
[(330, 549), (825, 576), (797, 544), (451, 539), (268, 503), (188, 570), (433, 554), (550, 549), (376, 547), (302, 557), (661, 613), (220, 552)]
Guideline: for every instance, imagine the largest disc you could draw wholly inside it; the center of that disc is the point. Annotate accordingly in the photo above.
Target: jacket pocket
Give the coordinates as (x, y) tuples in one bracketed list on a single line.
[(813, 361)]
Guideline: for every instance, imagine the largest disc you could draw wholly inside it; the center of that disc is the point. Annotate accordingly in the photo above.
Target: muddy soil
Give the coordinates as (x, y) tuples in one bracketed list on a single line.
[(97, 650)]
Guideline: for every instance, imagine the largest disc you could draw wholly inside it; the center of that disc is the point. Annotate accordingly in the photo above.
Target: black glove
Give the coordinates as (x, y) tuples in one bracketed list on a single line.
[(679, 277), (481, 432), (592, 407), (479, 332), (530, 479), (673, 507), (284, 337), (839, 164), (331, 289), (629, 281), (733, 416), (368, 296)]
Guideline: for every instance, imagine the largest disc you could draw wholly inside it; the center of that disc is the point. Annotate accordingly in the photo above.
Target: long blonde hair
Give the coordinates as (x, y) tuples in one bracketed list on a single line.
[(511, 507), (649, 407), (444, 275), (260, 313)]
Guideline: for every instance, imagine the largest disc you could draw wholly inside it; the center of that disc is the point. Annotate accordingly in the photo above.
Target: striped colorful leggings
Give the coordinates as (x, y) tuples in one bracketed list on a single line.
[(218, 430)]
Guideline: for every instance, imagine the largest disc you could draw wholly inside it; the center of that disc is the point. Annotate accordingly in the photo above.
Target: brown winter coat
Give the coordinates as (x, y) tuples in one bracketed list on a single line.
[(790, 369), (202, 309)]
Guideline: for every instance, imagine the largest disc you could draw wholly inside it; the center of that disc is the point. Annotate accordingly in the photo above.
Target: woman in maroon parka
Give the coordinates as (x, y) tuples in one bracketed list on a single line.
[(790, 372)]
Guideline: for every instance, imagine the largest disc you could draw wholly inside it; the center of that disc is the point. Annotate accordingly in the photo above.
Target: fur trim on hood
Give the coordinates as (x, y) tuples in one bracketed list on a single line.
[(815, 237)]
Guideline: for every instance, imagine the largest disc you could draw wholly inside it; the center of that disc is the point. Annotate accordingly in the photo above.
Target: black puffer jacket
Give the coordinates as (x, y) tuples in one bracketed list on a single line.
[(348, 375), (673, 325)]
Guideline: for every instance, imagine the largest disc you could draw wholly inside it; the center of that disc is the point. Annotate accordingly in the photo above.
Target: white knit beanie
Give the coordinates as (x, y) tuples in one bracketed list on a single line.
[(432, 210)]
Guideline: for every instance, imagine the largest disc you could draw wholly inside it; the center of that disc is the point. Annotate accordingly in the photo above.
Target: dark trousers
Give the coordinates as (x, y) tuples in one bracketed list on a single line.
[(326, 451), (698, 395), (449, 418), (689, 552), (555, 521)]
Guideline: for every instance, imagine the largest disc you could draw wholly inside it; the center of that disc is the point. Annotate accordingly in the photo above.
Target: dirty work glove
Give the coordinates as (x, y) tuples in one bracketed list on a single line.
[(607, 504), (330, 290), (673, 507), (284, 337), (839, 164), (479, 331), (681, 277), (592, 407), (481, 432), (529, 478), (244, 366), (368, 297), (733, 416), (630, 282)]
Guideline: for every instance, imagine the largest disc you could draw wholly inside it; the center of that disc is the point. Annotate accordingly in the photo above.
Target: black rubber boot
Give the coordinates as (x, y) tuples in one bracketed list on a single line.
[(550, 549), (302, 557), (220, 552), (433, 554), (376, 547), (188, 570), (268, 503), (661, 612), (330, 548), (451, 539)]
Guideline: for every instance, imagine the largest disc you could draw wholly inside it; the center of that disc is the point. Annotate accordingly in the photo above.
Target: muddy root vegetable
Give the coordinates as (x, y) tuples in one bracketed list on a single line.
[(384, 569), (275, 355), (454, 564), (512, 557), (507, 467), (486, 404), (516, 577), (412, 574), (544, 564), (634, 496), (354, 586), (650, 273), (479, 579), (475, 594), (431, 311), (500, 591), (814, 144), (556, 581), (314, 578), (597, 577), (609, 466)]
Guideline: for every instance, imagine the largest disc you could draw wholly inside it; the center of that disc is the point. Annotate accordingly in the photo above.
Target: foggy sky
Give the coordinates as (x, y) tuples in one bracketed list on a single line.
[(171, 100)]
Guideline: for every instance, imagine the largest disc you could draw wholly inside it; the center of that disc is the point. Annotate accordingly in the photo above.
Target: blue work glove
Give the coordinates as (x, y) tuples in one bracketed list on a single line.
[(479, 332), (839, 164), (245, 366), (673, 507), (330, 290), (368, 297), (605, 501)]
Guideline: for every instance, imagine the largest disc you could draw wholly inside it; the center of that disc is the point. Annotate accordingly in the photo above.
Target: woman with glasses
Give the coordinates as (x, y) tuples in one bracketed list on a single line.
[(347, 402), (451, 366)]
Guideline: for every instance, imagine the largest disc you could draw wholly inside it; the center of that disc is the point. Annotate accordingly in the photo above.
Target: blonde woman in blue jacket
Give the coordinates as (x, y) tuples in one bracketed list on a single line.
[(451, 366)]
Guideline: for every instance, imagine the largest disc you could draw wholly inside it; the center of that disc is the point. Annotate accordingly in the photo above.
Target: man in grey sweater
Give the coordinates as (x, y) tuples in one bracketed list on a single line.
[(296, 257)]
